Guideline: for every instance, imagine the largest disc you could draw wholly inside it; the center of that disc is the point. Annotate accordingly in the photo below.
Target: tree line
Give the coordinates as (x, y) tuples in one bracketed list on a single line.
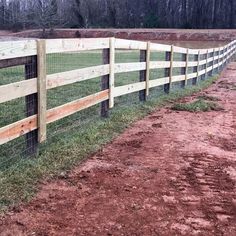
[(48, 14)]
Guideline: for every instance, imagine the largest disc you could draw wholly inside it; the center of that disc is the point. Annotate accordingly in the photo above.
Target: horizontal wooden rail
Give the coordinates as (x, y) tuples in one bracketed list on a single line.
[(15, 49), (16, 53), (29, 124), (70, 77), (75, 45), (16, 90), (130, 88), (75, 106)]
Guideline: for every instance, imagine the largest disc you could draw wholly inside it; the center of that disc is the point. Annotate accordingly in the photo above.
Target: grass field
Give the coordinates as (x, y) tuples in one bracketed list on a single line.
[(71, 139)]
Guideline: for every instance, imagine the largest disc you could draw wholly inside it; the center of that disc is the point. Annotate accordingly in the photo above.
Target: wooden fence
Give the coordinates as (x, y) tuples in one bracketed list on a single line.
[(32, 54)]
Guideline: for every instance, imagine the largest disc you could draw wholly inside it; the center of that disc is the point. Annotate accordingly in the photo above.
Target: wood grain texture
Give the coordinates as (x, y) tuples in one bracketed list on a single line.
[(148, 57), (75, 106), (15, 49), (12, 91), (30, 124), (112, 72), (42, 91), (130, 88), (70, 77), (76, 45), (18, 129)]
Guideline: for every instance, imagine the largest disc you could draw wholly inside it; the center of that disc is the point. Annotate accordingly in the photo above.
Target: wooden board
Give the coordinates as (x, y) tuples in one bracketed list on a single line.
[(112, 73), (130, 67), (42, 91), (178, 78), (15, 49), (19, 61), (193, 51), (75, 106), (148, 57), (171, 64), (104, 106), (12, 91), (180, 50), (130, 44), (192, 75), (130, 88), (31, 107), (69, 77), (18, 129), (75, 45), (186, 68), (160, 47), (159, 64), (29, 124), (158, 82)]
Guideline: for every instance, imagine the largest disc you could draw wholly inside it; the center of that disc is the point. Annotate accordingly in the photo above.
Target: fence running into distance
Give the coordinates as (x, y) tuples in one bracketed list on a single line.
[(32, 55)]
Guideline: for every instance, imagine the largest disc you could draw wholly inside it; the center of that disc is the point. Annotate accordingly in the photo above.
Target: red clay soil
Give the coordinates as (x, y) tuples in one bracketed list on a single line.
[(172, 173)]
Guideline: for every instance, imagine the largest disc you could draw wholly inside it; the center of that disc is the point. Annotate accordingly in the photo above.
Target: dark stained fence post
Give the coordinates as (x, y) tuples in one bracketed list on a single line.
[(203, 77), (167, 72), (225, 57), (228, 60), (183, 69), (212, 63), (142, 76), (206, 65), (31, 107), (221, 59), (202, 58), (195, 69), (218, 61), (105, 84)]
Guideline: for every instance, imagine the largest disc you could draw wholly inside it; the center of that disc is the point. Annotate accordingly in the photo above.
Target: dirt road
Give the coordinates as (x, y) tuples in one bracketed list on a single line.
[(172, 173)]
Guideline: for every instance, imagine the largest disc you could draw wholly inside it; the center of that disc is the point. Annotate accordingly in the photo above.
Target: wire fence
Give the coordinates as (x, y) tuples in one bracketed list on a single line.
[(17, 150)]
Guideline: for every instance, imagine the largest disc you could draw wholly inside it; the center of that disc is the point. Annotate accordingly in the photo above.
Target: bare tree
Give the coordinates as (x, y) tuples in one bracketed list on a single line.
[(48, 14)]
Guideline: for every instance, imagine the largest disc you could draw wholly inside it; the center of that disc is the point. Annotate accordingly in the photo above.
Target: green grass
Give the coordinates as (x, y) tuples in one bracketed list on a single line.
[(74, 138), (208, 98), (199, 105)]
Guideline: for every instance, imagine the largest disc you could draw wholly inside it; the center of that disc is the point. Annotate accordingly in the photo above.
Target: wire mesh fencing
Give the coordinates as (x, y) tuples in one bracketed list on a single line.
[(24, 147)]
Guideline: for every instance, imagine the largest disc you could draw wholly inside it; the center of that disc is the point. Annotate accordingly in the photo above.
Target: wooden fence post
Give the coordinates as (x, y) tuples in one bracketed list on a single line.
[(186, 69), (112, 72), (142, 75), (105, 84), (148, 56), (206, 66), (42, 91), (228, 54), (213, 63), (183, 69), (31, 107), (218, 61), (222, 58), (169, 71), (196, 68)]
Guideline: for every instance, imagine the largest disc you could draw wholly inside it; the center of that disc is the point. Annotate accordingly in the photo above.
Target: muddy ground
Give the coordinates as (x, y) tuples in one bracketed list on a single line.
[(213, 35), (172, 173)]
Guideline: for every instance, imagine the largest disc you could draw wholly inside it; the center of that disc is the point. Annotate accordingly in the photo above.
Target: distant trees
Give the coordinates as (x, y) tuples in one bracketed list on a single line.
[(45, 14), (48, 14)]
